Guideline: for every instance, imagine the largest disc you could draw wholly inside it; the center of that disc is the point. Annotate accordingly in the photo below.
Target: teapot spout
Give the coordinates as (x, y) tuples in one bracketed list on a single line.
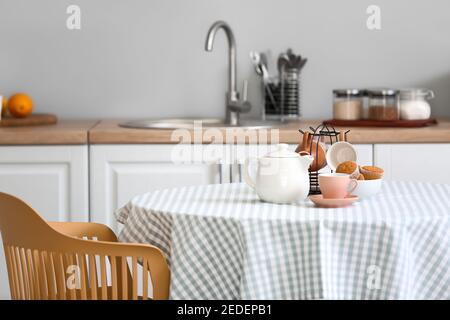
[(306, 160)]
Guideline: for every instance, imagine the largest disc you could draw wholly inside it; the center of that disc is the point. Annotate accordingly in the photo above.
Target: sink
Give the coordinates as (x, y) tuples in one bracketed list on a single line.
[(189, 123)]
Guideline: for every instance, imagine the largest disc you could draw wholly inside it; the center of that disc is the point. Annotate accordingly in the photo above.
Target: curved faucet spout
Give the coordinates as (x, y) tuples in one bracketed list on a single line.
[(232, 89), (234, 104)]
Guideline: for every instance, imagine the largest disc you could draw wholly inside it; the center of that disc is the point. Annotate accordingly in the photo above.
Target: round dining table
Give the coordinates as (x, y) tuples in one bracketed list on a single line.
[(222, 242)]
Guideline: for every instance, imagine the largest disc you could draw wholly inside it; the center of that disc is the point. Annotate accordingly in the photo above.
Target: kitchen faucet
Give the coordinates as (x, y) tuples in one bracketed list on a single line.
[(234, 105)]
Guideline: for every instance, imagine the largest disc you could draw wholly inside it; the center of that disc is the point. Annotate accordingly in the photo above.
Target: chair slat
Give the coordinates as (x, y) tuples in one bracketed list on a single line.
[(26, 279), (134, 263), (114, 281), (144, 278), (12, 271), (45, 289), (19, 274), (93, 276), (124, 277), (21, 290), (50, 273), (34, 289), (83, 277), (103, 279), (69, 263), (59, 275), (40, 275)]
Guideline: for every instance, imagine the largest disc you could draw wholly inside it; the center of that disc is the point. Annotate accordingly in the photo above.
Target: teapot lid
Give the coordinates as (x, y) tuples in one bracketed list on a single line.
[(282, 152)]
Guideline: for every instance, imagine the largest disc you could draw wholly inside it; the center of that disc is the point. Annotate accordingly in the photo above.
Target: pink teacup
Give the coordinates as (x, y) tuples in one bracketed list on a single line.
[(336, 185)]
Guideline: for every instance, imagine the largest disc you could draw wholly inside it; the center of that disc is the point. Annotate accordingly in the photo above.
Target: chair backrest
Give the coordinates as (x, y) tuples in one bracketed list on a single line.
[(44, 263)]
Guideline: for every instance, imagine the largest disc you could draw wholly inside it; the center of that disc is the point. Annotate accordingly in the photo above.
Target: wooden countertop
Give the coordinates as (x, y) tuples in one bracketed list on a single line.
[(65, 132), (108, 132), (73, 132)]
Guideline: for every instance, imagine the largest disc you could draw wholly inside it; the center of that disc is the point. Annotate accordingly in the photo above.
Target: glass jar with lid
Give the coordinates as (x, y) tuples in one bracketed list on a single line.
[(414, 104), (348, 104), (383, 104)]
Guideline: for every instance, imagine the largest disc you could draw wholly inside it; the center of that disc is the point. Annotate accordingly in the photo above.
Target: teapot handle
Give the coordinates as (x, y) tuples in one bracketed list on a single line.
[(248, 180)]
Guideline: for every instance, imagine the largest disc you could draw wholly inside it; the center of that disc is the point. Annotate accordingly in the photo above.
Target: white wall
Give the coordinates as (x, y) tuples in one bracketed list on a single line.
[(144, 58)]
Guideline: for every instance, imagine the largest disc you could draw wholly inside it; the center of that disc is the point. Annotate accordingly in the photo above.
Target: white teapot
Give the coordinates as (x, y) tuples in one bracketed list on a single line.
[(282, 176)]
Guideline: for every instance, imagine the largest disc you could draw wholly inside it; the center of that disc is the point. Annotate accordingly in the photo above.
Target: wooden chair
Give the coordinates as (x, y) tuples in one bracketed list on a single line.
[(53, 261)]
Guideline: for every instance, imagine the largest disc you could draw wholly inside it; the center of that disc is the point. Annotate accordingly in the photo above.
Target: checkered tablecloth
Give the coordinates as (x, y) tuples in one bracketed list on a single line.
[(223, 243)]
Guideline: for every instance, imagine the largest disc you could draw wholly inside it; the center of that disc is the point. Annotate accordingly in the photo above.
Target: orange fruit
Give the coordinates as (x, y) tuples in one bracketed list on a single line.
[(4, 106), (20, 105)]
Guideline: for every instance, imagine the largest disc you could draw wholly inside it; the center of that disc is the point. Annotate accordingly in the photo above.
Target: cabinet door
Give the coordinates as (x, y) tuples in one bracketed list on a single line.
[(414, 162), (120, 172), (52, 179)]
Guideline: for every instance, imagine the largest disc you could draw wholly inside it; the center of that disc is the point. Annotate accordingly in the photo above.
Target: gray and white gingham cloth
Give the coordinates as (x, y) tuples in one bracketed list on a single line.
[(223, 243)]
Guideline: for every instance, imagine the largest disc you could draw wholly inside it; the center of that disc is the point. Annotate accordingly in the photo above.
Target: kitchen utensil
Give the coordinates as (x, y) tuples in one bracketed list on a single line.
[(302, 64), (282, 61), (260, 63), (290, 91), (340, 152), (256, 60), (264, 61), (305, 143), (368, 188), (287, 92), (322, 202), (281, 177), (291, 56), (265, 73), (336, 185), (32, 120), (270, 94)]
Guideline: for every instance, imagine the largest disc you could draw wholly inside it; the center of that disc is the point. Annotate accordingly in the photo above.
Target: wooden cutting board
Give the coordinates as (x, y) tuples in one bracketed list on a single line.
[(38, 119)]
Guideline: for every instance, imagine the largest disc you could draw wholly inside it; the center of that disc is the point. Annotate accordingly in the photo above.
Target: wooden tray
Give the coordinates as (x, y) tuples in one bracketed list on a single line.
[(38, 119), (381, 123)]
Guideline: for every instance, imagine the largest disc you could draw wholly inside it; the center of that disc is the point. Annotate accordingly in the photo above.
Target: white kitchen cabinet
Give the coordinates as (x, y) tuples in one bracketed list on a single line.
[(52, 179), (414, 162), (120, 172)]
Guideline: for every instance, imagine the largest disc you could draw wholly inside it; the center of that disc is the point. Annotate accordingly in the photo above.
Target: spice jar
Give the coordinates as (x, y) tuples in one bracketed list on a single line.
[(414, 104), (383, 104), (348, 104)]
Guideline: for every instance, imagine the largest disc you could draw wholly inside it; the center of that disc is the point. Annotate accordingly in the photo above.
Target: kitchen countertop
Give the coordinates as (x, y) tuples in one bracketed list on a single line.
[(108, 132), (73, 132), (65, 132)]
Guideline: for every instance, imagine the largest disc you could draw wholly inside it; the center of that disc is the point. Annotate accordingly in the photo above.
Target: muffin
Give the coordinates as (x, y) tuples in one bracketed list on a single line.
[(371, 172), (348, 167), (361, 177)]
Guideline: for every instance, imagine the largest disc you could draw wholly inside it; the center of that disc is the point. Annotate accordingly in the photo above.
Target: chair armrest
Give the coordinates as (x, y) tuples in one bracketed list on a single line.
[(85, 229)]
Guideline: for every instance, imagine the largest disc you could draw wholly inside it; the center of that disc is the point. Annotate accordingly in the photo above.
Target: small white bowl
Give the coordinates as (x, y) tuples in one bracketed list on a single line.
[(340, 152), (367, 188)]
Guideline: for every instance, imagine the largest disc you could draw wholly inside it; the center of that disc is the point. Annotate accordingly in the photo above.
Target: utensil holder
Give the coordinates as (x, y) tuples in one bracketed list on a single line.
[(282, 96), (311, 144)]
